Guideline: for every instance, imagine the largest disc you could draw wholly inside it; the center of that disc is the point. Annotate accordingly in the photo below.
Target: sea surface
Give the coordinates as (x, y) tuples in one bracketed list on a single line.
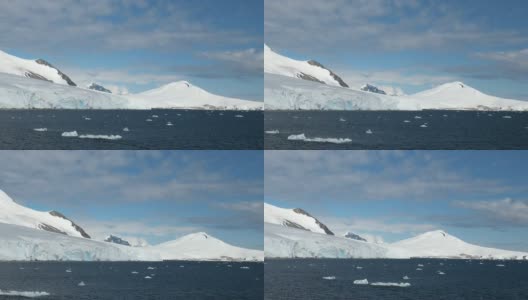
[(145, 129), (438, 129), (461, 279), (116, 280)]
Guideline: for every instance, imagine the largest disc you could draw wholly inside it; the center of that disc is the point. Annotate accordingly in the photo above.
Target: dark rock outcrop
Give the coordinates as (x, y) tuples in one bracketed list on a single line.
[(323, 226), (337, 78), (77, 227), (63, 76), (354, 236)]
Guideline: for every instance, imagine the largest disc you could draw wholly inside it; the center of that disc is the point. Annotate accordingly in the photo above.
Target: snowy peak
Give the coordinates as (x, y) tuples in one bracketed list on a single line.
[(36, 69), (15, 214), (294, 218), (98, 87), (311, 70)]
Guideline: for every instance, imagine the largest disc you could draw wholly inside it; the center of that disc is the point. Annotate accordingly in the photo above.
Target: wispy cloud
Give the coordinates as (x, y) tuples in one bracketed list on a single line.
[(491, 213)]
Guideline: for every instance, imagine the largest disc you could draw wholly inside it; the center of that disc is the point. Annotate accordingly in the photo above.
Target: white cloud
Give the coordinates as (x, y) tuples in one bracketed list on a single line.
[(505, 211)]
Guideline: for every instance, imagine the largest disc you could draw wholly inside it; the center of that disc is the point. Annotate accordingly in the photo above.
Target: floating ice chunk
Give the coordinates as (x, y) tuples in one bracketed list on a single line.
[(406, 121), (87, 119), (500, 265), (41, 129), (420, 265), (423, 125), (70, 134), (148, 120), (68, 270), (245, 268), (361, 281), (272, 132), (239, 116), (169, 124), (417, 117), (359, 268), (440, 273), (329, 277), (155, 116), (148, 277), (302, 137), (182, 266), (395, 284), (23, 294), (445, 116), (342, 120), (507, 117), (368, 131), (126, 129), (405, 277), (81, 283), (151, 268), (134, 272), (100, 136), (229, 266), (418, 269)]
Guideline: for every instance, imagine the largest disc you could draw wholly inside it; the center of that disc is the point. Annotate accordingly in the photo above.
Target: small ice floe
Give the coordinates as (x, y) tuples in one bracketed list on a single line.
[(148, 277), (239, 116), (81, 283), (87, 119), (445, 116), (41, 129), (302, 137), (329, 277), (221, 114), (134, 272), (418, 269), (417, 117), (481, 263), (359, 268), (169, 124), (155, 116), (507, 117), (229, 266), (406, 121), (23, 294), (21, 268), (151, 268), (440, 273), (244, 267), (342, 120), (272, 132), (70, 134), (148, 120), (500, 265), (126, 129), (361, 281), (100, 136), (178, 115), (395, 284), (420, 265), (182, 266), (424, 125), (68, 270), (368, 131), (406, 277)]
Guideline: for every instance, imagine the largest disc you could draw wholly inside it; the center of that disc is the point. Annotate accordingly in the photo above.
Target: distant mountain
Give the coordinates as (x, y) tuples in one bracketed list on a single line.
[(311, 70), (351, 235), (116, 240), (294, 218), (97, 87), (370, 88), (53, 221), (202, 246), (36, 69)]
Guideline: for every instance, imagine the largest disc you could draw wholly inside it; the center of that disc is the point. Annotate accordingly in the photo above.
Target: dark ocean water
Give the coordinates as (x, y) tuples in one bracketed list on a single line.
[(389, 129), (462, 279), (114, 280), (190, 129)]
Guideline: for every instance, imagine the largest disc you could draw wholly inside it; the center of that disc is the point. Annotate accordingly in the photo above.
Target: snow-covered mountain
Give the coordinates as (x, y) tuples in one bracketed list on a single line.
[(438, 243), (282, 241), (36, 69), (286, 93), (98, 87), (202, 246), (311, 70), (53, 221), (294, 218), (28, 84), (116, 240)]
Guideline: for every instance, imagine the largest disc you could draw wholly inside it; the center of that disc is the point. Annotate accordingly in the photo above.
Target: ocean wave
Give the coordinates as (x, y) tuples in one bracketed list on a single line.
[(302, 137), (23, 294), (41, 129), (272, 132), (100, 136), (395, 284)]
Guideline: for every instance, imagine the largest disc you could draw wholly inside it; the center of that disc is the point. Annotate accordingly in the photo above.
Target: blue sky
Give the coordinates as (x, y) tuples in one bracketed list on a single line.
[(134, 45), (414, 45), (153, 195), (478, 196)]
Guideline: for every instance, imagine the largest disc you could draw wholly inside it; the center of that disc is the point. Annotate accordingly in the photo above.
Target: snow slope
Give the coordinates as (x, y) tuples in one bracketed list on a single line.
[(311, 70), (36, 69), (295, 218), (22, 243), (15, 214), (201, 246), (285, 93), (440, 244)]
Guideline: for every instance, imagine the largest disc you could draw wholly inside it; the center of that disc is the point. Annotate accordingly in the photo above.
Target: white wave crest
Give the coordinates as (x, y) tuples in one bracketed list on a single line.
[(272, 132), (70, 134), (41, 129), (100, 136), (23, 294), (302, 137), (329, 278), (361, 281), (395, 284)]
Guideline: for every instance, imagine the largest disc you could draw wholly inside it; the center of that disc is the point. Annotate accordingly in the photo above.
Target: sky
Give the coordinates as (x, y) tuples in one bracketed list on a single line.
[(136, 45), (152, 195), (410, 44), (478, 196)]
